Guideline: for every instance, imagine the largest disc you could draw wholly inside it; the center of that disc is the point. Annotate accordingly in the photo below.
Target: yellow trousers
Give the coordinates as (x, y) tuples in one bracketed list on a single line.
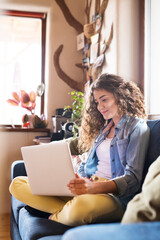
[(79, 210)]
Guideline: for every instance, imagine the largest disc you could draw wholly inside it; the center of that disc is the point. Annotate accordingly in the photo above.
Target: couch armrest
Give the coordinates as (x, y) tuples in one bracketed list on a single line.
[(116, 231), (18, 169)]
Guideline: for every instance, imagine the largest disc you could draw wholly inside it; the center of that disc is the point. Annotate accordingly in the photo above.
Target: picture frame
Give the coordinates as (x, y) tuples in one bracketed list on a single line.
[(80, 41)]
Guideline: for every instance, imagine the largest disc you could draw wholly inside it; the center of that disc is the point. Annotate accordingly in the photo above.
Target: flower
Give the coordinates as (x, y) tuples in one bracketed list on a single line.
[(24, 99)]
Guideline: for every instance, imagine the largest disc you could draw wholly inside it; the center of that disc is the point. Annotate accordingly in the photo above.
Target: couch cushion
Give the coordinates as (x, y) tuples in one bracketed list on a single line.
[(138, 231), (16, 206), (154, 145), (18, 169), (58, 237), (33, 228), (14, 231)]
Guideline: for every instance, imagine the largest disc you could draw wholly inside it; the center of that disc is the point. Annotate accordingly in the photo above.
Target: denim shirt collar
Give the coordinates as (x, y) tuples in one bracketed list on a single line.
[(119, 126)]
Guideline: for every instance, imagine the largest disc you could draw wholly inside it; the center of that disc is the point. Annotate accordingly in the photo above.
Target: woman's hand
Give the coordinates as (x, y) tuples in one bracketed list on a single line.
[(81, 185)]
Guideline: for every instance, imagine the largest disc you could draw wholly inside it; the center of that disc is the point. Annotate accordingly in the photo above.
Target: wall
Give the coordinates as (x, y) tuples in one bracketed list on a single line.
[(58, 32), (128, 39)]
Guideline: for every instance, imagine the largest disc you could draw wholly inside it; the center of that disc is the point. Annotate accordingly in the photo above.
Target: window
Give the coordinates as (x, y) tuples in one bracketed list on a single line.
[(152, 53), (22, 41)]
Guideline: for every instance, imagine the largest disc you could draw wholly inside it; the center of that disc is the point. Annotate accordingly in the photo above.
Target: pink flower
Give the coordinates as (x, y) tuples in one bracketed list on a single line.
[(32, 96), (13, 102), (25, 100)]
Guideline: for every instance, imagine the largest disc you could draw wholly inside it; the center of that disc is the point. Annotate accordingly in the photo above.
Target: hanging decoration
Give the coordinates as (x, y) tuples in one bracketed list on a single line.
[(88, 41)]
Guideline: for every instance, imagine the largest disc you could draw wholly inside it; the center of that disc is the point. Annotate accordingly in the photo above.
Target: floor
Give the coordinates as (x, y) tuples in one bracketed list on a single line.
[(4, 227)]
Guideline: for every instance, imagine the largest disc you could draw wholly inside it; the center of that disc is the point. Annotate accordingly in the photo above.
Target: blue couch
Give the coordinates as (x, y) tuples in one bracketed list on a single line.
[(30, 224)]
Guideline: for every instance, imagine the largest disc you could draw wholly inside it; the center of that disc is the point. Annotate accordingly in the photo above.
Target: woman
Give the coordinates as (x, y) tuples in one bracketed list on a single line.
[(114, 129)]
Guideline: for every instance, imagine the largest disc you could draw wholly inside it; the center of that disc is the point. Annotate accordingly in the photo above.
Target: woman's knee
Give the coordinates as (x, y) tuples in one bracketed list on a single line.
[(89, 208), (78, 210), (86, 208), (18, 186)]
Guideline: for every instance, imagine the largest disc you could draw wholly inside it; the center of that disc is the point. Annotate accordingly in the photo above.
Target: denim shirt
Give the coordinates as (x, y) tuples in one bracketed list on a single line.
[(127, 155)]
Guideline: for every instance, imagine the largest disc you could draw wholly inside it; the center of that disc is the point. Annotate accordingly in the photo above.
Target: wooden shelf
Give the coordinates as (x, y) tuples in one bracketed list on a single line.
[(20, 129)]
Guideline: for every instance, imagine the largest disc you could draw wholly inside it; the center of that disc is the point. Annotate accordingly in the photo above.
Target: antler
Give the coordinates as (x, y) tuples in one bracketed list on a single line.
[(97, 6), (69, 17), (87, 9), (103, 6), (109, 38), (72, 83)]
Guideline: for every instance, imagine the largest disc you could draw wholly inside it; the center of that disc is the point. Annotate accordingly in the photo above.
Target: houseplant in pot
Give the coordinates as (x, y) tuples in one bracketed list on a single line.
[(28, 102), (76, 109)]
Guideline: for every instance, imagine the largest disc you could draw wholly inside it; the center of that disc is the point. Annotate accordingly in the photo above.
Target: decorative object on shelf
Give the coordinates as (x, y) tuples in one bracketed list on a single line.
[(39, 122), (77, 108), (33, 121), (25, 121)]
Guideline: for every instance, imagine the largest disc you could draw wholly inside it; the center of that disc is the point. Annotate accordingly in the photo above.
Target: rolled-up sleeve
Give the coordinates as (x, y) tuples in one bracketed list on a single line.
[(133, 163), (81, 171)]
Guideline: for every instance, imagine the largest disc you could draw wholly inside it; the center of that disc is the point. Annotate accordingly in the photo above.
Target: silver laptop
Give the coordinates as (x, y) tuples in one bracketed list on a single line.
[(49, 168)]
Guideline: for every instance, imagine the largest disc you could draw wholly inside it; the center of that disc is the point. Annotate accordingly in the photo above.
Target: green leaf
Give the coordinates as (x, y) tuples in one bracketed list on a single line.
[(67, 107), (75, 97), (80, 94)]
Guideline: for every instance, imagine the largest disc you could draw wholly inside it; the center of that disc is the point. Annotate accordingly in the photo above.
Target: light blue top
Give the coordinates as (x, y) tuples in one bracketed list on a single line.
[(127, 155)]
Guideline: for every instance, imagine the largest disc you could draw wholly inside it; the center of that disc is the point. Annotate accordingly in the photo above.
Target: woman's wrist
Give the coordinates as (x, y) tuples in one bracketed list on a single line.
[(104, 187)]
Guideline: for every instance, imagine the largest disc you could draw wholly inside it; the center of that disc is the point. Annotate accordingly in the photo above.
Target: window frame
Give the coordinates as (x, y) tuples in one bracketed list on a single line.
[(141, 43), (143, 51), (42, 16), (147, 51)]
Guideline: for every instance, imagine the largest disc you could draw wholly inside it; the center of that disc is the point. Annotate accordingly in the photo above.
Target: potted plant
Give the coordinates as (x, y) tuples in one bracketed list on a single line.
[(28, 101), (77, 109)]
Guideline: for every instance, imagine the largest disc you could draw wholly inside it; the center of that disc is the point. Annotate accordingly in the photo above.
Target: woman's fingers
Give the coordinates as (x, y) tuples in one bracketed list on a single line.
[(78, 190), (77, 176), (77, 181), (77, 186)]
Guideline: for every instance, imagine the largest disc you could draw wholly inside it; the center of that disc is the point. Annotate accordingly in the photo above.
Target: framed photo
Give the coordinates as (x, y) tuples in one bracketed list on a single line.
[(80, 41), (93, 52), (99, 61), (98, 21), (94, 38), (86, 48), (85, 62)]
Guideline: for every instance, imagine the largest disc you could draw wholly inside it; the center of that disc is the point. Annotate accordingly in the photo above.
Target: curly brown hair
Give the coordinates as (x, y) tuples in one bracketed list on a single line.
[(128, 97)]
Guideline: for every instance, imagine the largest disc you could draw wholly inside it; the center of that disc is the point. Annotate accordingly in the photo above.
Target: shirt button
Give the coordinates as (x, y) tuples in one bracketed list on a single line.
[(113, 174), (111, 145), (113, 160)]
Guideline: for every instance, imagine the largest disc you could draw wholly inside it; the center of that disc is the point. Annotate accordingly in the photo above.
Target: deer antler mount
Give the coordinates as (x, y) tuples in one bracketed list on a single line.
[(72, 83)]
